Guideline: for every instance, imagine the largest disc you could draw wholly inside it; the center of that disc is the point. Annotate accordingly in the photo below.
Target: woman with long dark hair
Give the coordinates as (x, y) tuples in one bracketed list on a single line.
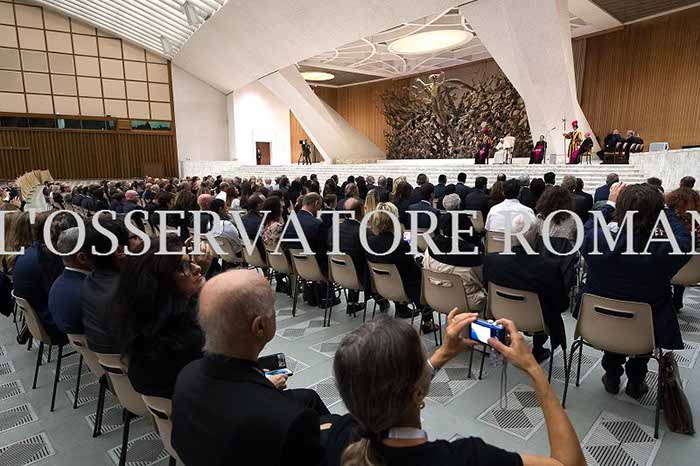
[(562, 225), (401, 200), (156, 305)]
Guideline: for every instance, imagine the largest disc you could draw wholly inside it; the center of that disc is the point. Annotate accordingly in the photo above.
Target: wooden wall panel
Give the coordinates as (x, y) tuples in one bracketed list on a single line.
[(645, 78), (86, 154)]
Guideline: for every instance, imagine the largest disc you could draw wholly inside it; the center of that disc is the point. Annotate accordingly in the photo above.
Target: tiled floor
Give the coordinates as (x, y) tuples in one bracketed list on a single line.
[(614, 430)]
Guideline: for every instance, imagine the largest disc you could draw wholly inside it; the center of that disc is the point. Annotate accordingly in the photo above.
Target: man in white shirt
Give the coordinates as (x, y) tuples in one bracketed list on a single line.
[(497, 215), (222, 191)]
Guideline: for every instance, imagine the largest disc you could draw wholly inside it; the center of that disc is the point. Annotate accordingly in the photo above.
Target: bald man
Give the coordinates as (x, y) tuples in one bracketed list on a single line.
[(203, 201), (131, 202), (225, 410)]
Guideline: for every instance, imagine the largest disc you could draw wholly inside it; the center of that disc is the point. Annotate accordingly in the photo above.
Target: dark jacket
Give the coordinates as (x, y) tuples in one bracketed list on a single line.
[(583, 204), (528, 198), (251, 222), (462, 190), (416, 195), (403, 207), (137, 217), (316, 234), (602, 193), (640, 278), (408, 269), (477, 200), (226, 412), (64, 301), (535, 273), (33, 275), (349, 243), (440, 189), (422, 220), (98, 292)]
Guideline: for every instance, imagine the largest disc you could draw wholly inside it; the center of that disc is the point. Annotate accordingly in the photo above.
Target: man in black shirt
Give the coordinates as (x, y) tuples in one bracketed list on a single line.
[(478, 199), (461, 188)]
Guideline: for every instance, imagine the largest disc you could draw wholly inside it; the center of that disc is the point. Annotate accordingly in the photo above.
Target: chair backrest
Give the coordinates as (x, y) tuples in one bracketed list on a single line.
[(689, 275), (117, 372), (79, 342), (33, 322), (255, 259), (342, 271), (495, 241), (387, 282), (278, 262), (161, 409), (521, 307), (443, 292), (621, 327), (229, 255), (478, 222), (306, 266)]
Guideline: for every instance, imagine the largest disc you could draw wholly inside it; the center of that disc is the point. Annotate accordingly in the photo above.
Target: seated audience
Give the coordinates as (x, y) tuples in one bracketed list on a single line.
[(36, 270), (467, 266), (497, 215), (131, 202), (371, 201), (579, 192), (536, 273), (225, 410), (416, 195), (440, 187), (19, 236), (351, 190), (224, 228), (527, 197), (382, 189), (66, 292), (205, 218), (380, 242), (684, 201), (656, 183), (562, 225), (496, 195), (99, 289), (461, 188), (315, 231), (422, 207), (602, 193), (388, 427), (636, 277), (688, 182), (157, 318), (581, 206), (252, 221), (610, 144), (349, 243), (477, 199), (401, 200), (550, 179)]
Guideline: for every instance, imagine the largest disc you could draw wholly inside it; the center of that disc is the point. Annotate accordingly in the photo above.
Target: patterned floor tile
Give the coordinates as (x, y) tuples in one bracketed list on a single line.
[(451, 381), (327, 390), (16, 417), (70, 371), (11, 389), (3, 351), (649, 399), (520, 416), (112, 419), (6, 367), (690, 322), (286, 313), (27, 451), (686, 357), (588, 363), (303, 329), (295, 365), (614, 440), (88, 393), (146, 450), (328, 347)]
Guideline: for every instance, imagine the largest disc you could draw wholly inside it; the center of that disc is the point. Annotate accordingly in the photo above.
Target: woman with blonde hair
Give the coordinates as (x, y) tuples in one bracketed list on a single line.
[(371, 201), (385, 226)]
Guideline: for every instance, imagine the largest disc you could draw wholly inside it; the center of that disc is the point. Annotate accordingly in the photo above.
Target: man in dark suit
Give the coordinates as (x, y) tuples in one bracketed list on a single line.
[(580, 203), (65, 294), (478, 199), (526, 197), (635, 277), (579, 192), (131, 199), (602, 193), (380, 189), (535, 273), (416, 195), (225, 409), (100, 287), (460, 188), (423, 206), (550, 179), (440, 187), (610, 144), (253, 219)]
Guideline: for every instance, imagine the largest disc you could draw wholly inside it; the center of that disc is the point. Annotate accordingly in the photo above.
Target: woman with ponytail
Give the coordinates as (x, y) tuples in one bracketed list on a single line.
[(383, 376)]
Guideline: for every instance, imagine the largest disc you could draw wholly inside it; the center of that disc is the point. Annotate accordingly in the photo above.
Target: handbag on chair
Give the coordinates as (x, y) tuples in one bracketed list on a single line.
[(677, 412)]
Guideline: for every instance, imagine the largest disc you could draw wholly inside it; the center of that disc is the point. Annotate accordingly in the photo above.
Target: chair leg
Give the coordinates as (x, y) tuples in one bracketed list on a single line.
[(471, 359), (125, 437), (97, 430), (327, 306), (38, 363), (578, 369), (48, 357), (374, 309), (294, 282), (483, 358), (77, 383), (567, 371), (30, 342), (364, 315), (659, 395), (172, 462), (435, 333), (440, 326), (551, 365), (56, 377)]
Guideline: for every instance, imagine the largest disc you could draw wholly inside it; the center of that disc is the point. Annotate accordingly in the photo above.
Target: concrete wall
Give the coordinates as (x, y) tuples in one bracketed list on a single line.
[(200, 119), (670, 166)]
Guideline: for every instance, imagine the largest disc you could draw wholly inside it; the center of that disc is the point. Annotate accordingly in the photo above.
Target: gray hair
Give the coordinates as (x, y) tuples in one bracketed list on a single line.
[(519, 225), (68, 240), (524, 181), (381, 181), (569, 183), (451, 201), (612, 178), (370, 179)]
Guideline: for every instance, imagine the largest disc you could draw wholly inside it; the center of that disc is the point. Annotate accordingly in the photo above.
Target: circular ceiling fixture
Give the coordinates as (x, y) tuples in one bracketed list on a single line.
[(430, 42), (317, 75)]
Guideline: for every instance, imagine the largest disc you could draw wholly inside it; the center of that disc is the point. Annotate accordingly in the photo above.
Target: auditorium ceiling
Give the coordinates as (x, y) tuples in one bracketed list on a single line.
[(633, 10)]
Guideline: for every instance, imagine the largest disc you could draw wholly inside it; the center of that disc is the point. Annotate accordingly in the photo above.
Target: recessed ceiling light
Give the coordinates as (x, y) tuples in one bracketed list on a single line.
[(317, 75), (430, 42)]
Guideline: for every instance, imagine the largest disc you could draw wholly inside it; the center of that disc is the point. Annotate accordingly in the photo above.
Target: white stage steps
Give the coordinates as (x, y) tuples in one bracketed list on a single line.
[(592, 175)]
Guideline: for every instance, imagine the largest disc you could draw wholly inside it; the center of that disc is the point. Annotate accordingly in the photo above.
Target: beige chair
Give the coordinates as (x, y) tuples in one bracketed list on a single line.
[(161, 409), (229, 255), (689, 275), (280, 264), (79, 342), (132, 402), (614, 326), (386, 281), (255, 259), (307, 269), (342, 272), (523, 308), (444, 292), (495, 241), (36, 328), (478, 222)]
